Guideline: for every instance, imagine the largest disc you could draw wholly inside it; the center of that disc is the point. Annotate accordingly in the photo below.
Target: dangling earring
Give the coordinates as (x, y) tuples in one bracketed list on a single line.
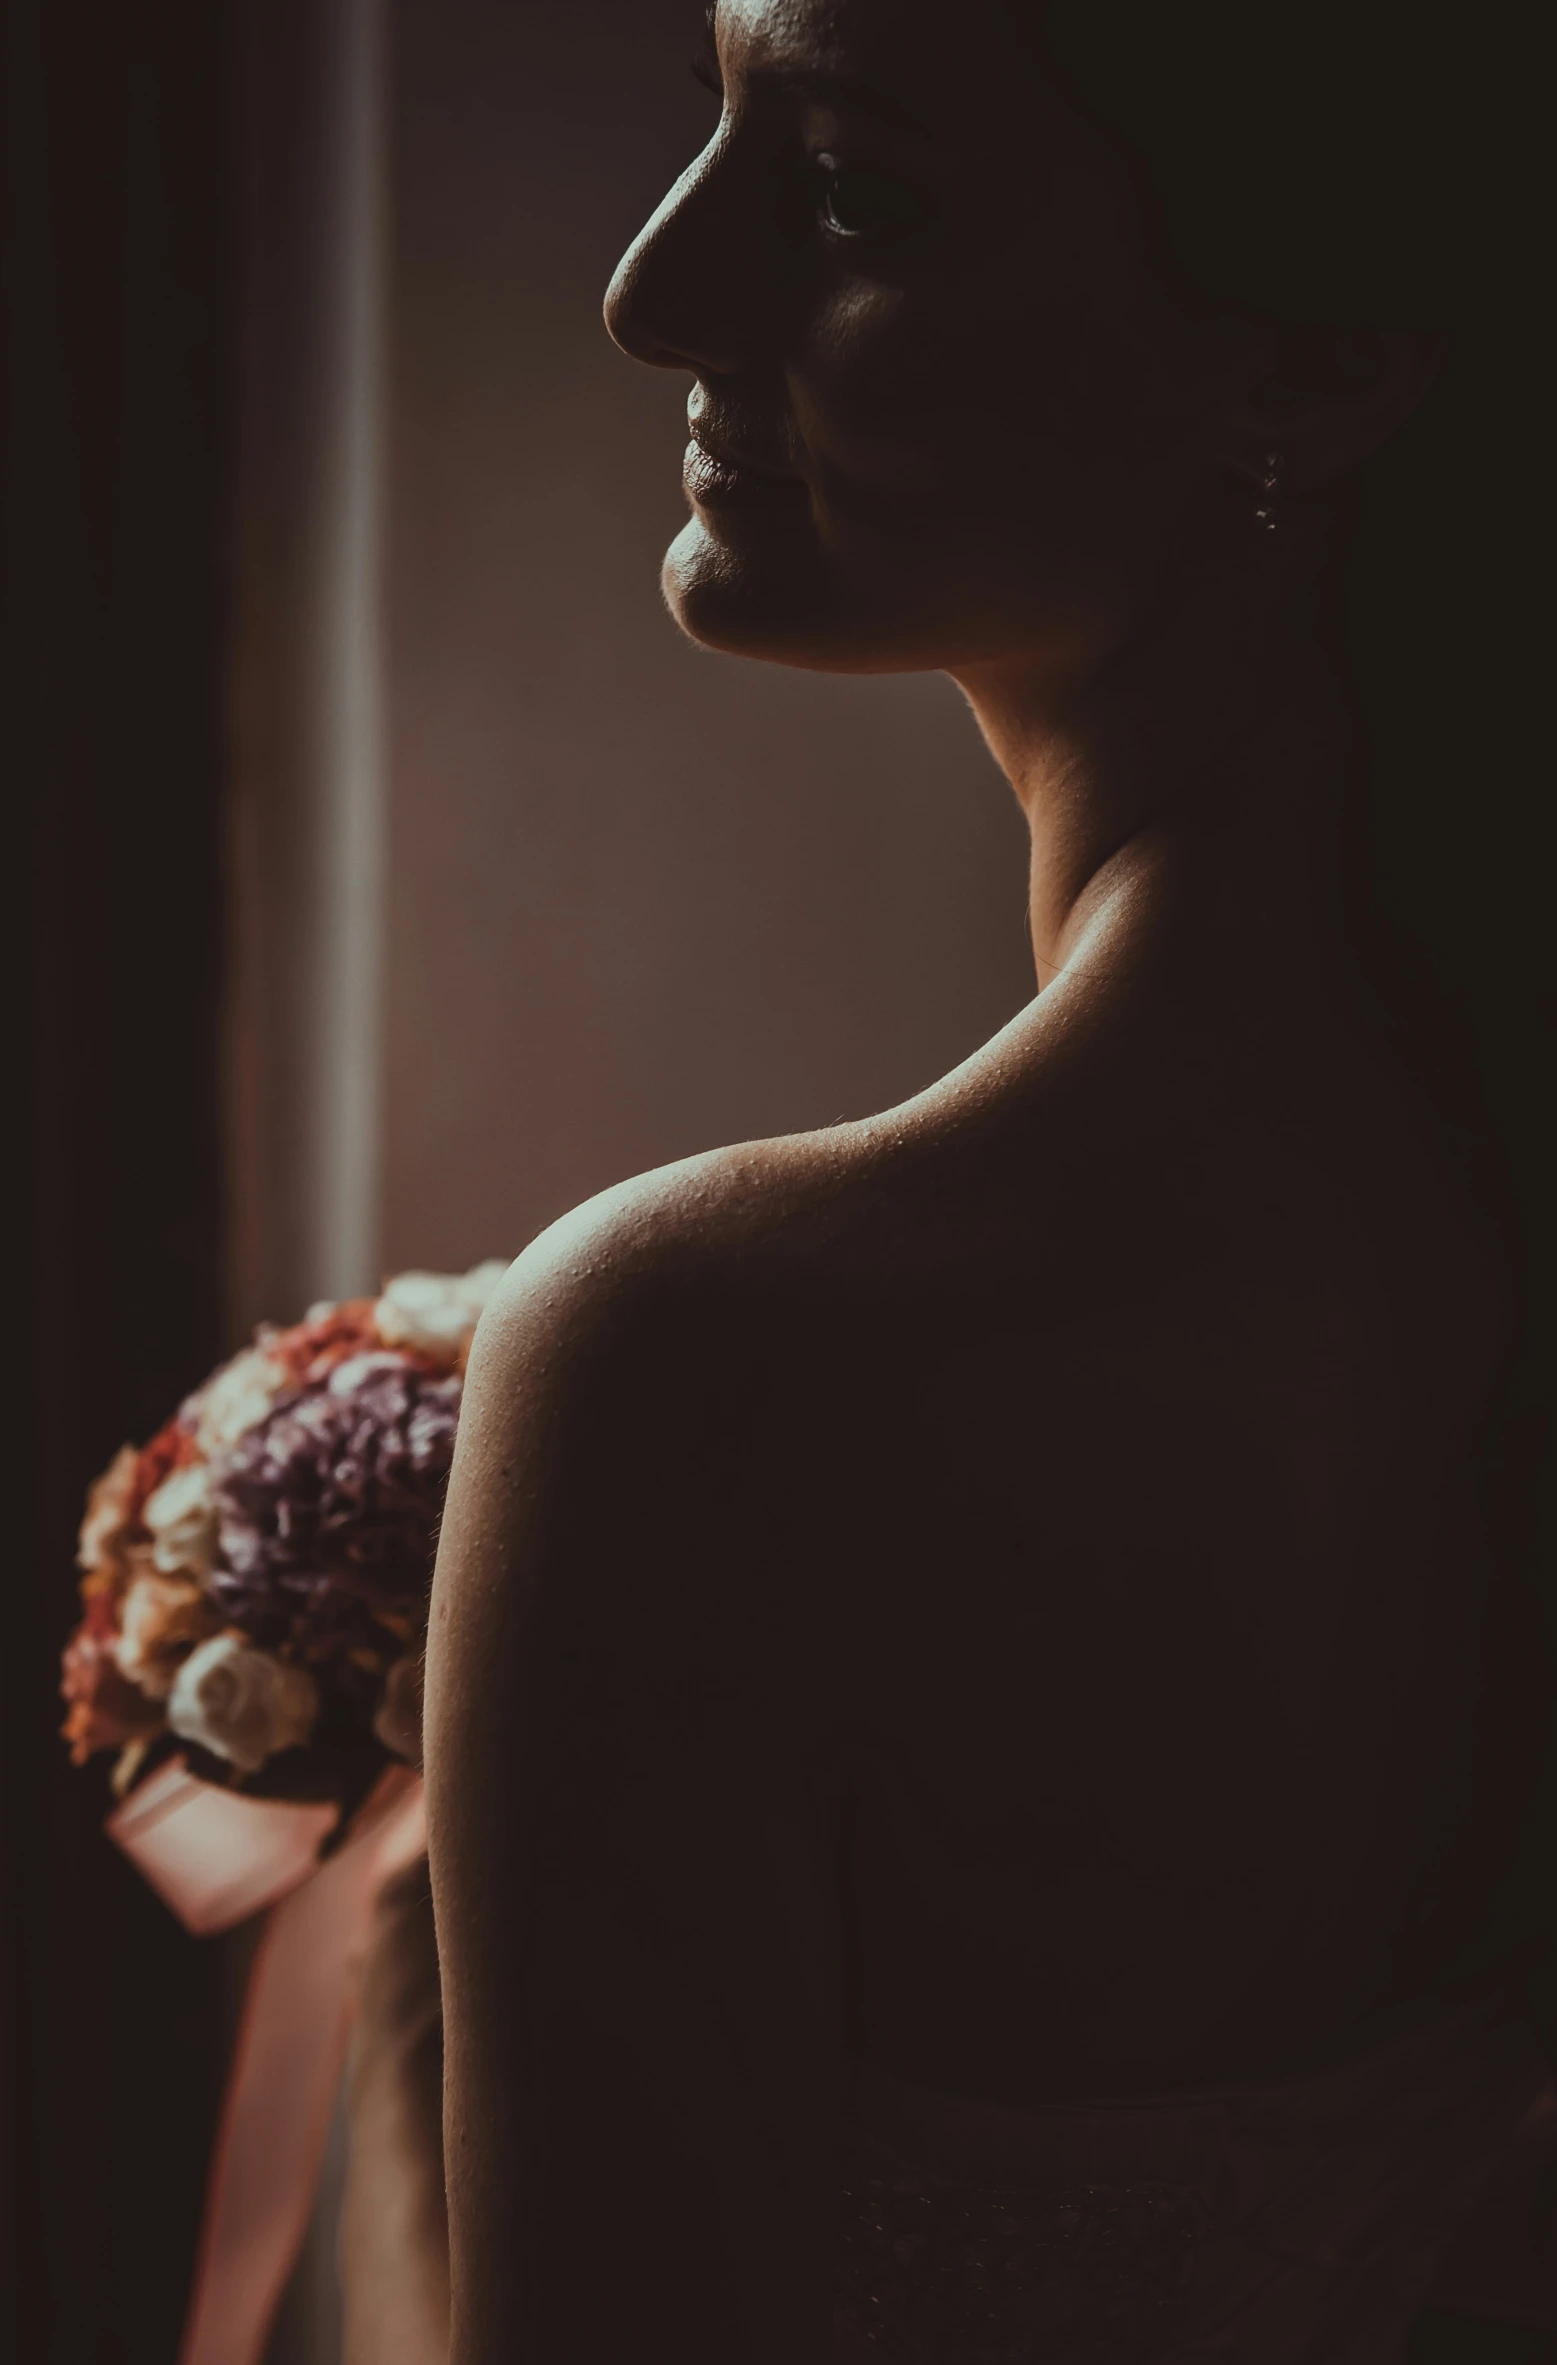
[(1270, 488)]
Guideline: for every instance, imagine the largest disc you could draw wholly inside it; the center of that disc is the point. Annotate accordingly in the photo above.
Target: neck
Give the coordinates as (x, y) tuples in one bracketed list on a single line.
[(1218, 722)]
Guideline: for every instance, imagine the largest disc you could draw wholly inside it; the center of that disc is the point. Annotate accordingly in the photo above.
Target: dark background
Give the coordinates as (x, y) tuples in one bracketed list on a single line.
[(120, 304)]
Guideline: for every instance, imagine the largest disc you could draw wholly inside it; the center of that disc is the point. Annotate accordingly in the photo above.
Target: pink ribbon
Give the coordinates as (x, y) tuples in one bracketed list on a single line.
[(216, 1857)]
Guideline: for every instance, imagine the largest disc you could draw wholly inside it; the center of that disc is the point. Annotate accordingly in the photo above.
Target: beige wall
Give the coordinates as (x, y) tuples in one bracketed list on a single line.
[(641, 900)]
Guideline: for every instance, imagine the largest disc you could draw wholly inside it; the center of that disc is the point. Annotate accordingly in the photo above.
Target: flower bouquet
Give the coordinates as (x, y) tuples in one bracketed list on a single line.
[(255, 1587), (255, 1579)]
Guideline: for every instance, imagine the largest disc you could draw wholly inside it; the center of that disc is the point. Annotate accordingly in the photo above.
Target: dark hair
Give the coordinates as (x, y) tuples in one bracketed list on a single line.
[(1372, 164), (1365, 162)]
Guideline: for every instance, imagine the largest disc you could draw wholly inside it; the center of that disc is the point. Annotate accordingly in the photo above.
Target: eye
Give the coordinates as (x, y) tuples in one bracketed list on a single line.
[(866, 201)]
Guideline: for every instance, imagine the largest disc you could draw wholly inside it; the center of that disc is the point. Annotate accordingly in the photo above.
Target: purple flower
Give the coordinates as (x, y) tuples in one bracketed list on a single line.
[(329, 1508)]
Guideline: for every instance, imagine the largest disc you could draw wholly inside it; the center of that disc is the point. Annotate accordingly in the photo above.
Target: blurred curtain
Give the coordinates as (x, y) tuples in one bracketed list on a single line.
[(189, 731), (119, 227)]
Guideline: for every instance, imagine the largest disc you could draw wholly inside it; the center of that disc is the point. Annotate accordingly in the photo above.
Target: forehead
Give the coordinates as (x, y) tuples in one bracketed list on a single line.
[(962, 85), (793, 29), (937, 53)]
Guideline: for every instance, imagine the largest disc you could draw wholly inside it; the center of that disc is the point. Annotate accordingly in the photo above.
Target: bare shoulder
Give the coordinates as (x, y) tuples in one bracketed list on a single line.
[(974, 1171), (664, 1251), (670, 1224), (616, 1369), (636, 1260)]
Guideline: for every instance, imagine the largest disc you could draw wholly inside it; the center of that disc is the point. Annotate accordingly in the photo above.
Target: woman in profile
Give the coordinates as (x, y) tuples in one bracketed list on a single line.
[(984, 1702)]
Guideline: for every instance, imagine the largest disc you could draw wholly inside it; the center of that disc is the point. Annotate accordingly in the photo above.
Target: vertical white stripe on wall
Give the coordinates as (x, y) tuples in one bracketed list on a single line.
[(347, 1074), (307, 815), (306, 1055), (342, 1054)]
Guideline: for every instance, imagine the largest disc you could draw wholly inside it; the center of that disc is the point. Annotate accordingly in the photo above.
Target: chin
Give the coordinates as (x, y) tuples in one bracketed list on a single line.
[(750, 590)]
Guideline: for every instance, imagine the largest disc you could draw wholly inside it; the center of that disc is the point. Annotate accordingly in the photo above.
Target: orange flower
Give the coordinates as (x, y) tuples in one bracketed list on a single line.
[(311, 1350)]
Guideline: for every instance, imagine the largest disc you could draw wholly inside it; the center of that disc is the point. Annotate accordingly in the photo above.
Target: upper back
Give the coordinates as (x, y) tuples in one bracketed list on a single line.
[(1071, 1481), (1109, 1430)]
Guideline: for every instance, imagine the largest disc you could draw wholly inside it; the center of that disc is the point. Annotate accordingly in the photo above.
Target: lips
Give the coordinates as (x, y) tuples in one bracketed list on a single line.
[(716, 475)]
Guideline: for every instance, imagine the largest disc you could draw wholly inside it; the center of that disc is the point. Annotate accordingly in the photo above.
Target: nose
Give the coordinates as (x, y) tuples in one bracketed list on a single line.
[(673, 300)]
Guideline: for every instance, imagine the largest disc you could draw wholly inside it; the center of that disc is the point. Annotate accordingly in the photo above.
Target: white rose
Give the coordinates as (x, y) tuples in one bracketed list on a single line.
[(242, 1703), (480, 1283), (158, 1617), (181, 1517), (239, 1397), (436, 1312)]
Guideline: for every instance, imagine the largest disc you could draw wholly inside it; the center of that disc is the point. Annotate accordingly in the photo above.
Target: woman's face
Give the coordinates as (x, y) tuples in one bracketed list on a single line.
[(942, 411)]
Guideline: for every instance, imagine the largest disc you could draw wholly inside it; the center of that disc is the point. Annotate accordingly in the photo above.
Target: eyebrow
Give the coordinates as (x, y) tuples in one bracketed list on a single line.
[(844, 90)]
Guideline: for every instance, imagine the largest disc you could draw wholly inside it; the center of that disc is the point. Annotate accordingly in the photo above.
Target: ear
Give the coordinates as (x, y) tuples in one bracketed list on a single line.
[(1328, 398)]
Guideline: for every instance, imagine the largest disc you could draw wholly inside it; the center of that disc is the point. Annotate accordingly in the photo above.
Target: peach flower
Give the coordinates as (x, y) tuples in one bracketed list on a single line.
[(181, 1519), (110, 1513), (160, 1617), (106, 1709), (239, 1397)]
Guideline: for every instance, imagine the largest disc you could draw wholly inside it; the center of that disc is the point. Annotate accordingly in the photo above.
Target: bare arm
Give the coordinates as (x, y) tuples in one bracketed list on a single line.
[(625, 1829)]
